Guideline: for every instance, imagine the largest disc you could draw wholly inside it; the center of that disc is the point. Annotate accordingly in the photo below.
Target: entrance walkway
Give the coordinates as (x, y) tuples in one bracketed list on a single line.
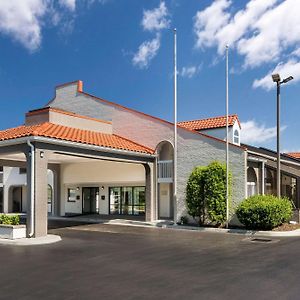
[(108, 219)]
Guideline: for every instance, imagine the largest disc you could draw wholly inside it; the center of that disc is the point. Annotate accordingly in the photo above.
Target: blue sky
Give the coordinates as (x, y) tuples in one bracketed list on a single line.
[(123, 52)]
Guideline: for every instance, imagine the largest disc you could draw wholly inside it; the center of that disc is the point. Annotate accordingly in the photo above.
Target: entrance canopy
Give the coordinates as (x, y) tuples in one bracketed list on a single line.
[(49, 146)]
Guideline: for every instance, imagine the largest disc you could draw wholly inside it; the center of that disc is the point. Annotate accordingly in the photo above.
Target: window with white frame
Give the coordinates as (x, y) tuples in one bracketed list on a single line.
[(236, 137)]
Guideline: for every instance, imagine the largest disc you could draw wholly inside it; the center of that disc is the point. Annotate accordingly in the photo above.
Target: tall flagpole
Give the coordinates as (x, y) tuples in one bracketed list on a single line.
[(175, 123), (227, 143)]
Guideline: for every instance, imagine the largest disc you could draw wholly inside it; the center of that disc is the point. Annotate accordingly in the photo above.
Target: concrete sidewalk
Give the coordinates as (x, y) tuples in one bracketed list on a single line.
[(49, 239)]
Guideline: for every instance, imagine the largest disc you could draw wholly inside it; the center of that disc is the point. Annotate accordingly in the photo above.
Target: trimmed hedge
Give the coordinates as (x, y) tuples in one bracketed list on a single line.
[(264, 212), (9, 219)]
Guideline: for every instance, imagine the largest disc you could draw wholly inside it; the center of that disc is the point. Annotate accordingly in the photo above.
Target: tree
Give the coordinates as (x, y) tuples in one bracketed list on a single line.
[(206, 193)]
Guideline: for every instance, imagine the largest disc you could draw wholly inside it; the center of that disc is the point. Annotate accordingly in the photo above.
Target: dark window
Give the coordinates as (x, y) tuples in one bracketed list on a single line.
[(50, 196), (127, 200), (22, 171), (289, 188), (1, 199)]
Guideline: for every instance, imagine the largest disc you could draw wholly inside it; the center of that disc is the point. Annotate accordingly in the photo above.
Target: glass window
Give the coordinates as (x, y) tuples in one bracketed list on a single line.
[(49, 198), (236, 137), (115, 200), (126, 207), (251, 182), (139, 200), (127, 200), (1, 199), (72, 195), (49, 194)]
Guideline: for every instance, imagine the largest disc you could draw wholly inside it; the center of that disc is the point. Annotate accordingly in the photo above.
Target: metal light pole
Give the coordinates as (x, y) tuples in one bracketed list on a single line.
[(175, 123), (276, 78), (227, 142)]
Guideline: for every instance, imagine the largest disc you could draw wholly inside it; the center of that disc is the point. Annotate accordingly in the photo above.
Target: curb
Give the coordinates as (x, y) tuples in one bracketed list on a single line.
[(49, 239), (293, 233), (122, 222)]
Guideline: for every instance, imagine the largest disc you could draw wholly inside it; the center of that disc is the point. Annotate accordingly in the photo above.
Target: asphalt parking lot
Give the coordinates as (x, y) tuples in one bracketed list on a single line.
[(99, 261)]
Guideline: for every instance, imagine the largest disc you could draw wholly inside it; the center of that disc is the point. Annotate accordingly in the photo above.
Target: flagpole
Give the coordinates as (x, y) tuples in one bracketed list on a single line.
[(175, 124), (227, 142)]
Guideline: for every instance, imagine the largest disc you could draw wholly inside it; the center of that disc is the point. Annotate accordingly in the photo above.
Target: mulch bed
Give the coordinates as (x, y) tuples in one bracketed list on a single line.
[(287, 227)]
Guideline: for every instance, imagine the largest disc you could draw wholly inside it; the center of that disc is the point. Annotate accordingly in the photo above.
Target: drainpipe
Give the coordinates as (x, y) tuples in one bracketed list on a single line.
[(32, 188), (263, 177)]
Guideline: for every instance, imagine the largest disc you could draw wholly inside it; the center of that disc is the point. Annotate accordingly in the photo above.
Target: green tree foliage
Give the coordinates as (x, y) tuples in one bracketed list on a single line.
[(195, 194), (206, 193), (264, 211)]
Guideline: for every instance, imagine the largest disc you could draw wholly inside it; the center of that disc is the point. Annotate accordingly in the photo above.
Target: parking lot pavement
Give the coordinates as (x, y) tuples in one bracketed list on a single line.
[(97, 261)]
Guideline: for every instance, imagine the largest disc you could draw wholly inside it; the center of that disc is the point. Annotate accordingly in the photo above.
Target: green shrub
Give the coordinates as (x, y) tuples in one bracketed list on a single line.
[(264, 212), (195, 194), (215, 191), (206, 193), (9, 219)]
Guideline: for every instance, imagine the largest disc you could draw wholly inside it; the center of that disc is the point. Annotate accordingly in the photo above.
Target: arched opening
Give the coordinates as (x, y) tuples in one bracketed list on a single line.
[(50, 192), (270, 182), (50, 198), (165, 152), (251, 182)]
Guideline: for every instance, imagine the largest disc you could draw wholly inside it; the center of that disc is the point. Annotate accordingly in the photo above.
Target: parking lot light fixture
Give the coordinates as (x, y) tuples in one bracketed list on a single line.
[(276, 78)]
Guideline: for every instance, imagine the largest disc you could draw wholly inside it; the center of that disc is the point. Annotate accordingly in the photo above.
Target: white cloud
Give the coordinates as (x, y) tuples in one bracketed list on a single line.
[(190, 72), (292, 67), (209, 21), (146, 52), (22, 21), (156, 19), (254, 133), (70, 4), (261, 32)]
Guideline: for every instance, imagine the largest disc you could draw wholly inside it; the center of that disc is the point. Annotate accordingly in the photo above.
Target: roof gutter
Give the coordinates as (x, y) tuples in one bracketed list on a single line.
[(23, 140), (274, 158)]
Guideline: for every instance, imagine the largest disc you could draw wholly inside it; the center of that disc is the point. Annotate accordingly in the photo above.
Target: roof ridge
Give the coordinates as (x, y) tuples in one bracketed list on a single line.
[(210, 118), (156, 118)]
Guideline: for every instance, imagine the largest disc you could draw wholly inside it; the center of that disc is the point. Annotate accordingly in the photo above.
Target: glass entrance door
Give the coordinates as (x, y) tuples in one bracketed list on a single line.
[(127, 200), (90, 200)]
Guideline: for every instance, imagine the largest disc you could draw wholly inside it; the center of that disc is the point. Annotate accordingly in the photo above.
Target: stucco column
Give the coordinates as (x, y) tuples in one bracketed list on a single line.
[(40, 193), (150, 192)]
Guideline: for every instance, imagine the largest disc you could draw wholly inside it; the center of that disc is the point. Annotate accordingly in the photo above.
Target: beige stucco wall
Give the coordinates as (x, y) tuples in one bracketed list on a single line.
[(61, 118), (102, 174)]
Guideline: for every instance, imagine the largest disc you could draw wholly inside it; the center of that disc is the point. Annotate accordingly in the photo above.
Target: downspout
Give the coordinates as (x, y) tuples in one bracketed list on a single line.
[(263, 177), (32, 187)]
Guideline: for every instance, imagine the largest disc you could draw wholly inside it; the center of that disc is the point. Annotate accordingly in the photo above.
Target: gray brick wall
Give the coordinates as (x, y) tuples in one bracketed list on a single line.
[(193, 149), (67, 98)]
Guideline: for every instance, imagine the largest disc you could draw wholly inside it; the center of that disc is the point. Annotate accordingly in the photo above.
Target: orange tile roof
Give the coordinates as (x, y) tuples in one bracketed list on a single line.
[(294, 154), (65, 133), (209, 123)]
